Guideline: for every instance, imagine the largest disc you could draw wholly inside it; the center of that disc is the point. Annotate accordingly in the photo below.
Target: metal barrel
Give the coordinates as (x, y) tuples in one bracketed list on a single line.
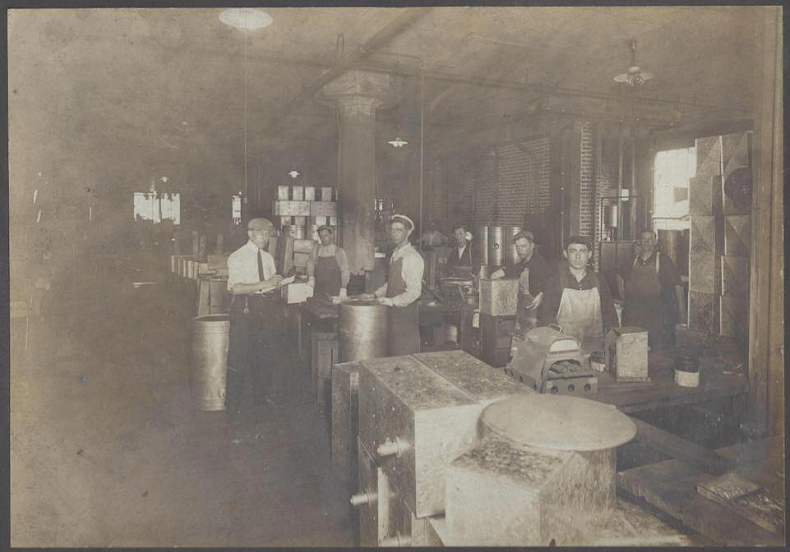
[(480, 243), (675, 243), (209, 360), (496, 246), (363, 330), (511, 256)]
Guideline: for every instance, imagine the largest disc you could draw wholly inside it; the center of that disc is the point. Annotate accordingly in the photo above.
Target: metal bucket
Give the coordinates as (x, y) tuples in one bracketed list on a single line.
[(511, 255), (209, 360), (496, 246), (363, 330), (480, 243)]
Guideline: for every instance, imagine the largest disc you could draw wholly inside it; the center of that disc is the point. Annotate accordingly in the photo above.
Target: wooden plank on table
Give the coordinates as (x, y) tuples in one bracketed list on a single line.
[(670, 486), (746, 498), (677, 447)]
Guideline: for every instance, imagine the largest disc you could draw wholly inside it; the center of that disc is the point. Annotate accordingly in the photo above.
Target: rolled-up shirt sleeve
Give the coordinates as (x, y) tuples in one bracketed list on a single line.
[(412, 271), (311, 260), (342, 261)]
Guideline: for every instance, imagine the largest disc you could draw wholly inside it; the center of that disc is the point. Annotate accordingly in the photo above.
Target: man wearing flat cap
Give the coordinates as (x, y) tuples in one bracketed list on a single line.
[(254, 326), (402, 290), (532, 272), (327, 266), (577, 299)]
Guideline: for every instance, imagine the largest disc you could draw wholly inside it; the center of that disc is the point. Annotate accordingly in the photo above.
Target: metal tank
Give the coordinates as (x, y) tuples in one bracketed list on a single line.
[(480, 243), (675, 243), (363, 330), (209, 360), (511, 256), (496, 246)]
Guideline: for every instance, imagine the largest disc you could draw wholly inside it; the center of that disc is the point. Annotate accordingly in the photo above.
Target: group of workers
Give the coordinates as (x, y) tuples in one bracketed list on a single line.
[(570, 295)]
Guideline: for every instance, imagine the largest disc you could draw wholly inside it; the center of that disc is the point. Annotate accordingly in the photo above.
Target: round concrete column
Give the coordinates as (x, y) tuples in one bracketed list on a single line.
[(358, 94)]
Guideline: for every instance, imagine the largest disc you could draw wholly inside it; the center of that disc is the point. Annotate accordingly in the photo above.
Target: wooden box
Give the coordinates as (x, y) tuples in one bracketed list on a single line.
[(626, 353), (292, 208), (500, 494), (322, 209), (737, 235), (296, 292), (297, 193), (345, 419), (499, 297), (323, 355)]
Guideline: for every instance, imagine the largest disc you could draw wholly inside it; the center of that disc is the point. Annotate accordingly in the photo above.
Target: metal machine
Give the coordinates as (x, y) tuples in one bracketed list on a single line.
[(550, 361)]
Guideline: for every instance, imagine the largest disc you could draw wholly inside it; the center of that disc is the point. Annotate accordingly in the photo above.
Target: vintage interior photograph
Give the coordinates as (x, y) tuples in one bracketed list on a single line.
[(412, 276)]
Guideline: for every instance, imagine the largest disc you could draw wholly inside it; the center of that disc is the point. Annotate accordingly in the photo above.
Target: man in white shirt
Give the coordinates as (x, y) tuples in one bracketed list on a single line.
[(254, 321), (402, 290)]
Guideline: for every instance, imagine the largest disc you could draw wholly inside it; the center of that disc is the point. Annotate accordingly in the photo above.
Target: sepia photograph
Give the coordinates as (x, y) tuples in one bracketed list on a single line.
[(395, 276)]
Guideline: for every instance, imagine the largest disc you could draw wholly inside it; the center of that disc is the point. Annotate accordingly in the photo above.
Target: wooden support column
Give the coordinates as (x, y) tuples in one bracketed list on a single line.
[(358, 94), (766, 312)]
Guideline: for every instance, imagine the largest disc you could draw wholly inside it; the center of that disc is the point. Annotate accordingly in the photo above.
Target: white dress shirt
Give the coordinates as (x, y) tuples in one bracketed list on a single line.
[(243, 265), (411, 271)]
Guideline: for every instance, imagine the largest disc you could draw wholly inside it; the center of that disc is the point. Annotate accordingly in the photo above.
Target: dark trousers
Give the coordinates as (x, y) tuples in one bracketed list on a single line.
[(253, 339)]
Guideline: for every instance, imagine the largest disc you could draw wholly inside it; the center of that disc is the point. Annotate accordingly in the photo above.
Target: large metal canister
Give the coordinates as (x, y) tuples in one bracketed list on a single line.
[(209, 360), (496, 246), (511, 256), (480, 243), (363, 330), (675, 243), (296, 232)]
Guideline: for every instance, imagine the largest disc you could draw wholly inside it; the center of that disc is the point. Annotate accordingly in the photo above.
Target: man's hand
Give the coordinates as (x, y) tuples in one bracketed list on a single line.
[(386, 301), (535, 302), (273, 282), (497, 274), (311, 283), (343, 293)]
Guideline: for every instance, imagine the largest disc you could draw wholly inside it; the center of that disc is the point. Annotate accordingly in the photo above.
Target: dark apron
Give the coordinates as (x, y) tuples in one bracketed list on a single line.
[(327, 276), (464, 267), (404, 322), (252, 344), (642, 306)]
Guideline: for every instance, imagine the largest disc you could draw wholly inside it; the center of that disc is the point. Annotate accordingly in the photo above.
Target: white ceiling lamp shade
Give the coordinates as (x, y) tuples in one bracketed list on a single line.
[(397, 142), (634, 76), (294, 174), (248, 19)]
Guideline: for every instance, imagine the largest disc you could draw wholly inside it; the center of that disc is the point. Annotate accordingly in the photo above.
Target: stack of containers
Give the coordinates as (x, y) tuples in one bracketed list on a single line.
[(300, 211)]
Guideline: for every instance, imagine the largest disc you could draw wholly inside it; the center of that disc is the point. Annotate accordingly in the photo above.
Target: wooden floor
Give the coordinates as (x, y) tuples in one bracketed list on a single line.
[(107, 449)]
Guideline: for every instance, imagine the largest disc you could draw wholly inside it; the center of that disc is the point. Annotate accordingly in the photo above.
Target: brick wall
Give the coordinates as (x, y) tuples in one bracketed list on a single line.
[(509, 182), (586, 202)]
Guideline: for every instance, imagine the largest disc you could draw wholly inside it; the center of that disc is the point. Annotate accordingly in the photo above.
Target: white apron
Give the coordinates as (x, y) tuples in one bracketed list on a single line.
[(579, 315)]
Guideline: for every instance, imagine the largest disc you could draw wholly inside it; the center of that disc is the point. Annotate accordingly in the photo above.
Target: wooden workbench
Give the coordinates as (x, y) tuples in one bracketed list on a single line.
[(717, 382), (671, 487)]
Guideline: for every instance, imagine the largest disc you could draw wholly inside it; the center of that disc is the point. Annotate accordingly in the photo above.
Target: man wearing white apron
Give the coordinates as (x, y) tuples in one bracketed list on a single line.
[(402, 290), (578, 300)]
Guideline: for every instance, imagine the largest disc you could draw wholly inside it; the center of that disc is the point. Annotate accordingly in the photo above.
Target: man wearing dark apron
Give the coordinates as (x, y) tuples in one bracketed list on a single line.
[(461, 262), (653, 293), (402, 290), (578, 300), (327, 266), (532, 272), (254, 321)]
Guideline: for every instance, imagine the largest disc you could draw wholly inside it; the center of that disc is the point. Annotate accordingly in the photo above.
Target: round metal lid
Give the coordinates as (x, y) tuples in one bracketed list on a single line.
[(558, 422)]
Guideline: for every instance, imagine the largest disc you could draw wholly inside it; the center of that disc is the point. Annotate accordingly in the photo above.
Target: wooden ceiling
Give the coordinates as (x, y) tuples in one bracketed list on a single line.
[(137, 87)]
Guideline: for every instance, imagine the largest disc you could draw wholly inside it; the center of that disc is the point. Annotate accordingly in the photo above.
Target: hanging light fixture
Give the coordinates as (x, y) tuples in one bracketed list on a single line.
[(247, 20), (397, 142), (294, 174)]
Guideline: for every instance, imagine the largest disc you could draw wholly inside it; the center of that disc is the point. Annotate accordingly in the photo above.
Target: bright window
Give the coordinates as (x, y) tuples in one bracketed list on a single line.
[(156, 207), (672, 170)]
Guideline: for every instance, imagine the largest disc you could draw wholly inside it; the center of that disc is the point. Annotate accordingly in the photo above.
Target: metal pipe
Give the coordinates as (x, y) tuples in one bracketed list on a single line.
[(389, 448), (619, 182), (364, 499)]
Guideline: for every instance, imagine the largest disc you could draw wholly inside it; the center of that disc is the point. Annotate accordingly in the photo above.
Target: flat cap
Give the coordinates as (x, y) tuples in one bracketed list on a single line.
[(260, 224)]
